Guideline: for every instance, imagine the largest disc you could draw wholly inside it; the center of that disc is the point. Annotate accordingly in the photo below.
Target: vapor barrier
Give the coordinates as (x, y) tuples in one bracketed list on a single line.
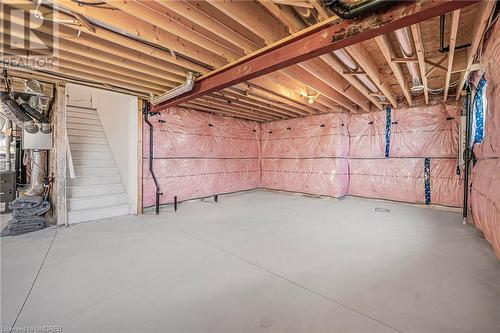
[(485, 180), (306, 155), (197, 154)]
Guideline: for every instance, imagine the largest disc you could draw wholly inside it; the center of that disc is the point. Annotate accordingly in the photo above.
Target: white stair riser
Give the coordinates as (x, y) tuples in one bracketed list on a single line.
[(97, 202), (86, 115), (87, 191), (87, 139), (89, 154), (90, 162), (97, 191), (79, 109), (79, 132), (72, 125), (95, 214), (83, 120), (88, 181), (96, 172), (90, 147)]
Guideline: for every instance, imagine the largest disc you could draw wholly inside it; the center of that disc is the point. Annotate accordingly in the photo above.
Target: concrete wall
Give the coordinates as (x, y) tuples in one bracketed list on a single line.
[(118, 113)]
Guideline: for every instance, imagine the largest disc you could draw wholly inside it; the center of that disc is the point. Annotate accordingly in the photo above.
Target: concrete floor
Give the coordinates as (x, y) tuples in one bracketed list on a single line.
[(257, 262)]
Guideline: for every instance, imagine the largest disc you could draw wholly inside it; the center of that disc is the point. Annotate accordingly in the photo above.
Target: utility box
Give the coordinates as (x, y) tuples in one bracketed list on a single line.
[(7, 186)]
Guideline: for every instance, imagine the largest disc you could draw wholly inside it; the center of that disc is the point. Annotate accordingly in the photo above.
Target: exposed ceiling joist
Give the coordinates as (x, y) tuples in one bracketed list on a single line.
[(385, 46), (419, 48), (481, 22), (455, 17), (315, 41), (163, 22), (144, 30), (362, 57)]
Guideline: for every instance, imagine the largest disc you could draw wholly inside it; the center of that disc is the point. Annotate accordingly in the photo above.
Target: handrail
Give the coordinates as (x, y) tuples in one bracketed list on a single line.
[(69, 158)]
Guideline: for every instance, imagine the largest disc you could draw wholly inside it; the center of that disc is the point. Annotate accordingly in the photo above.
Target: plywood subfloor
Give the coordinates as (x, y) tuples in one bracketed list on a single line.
[(257, 262)]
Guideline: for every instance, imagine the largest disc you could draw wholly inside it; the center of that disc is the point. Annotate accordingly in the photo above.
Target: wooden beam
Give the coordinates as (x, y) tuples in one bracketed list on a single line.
[(207, 107), (144, 30), (483, 14), (419, 48), (386, 49), (192, 13), (253, 17), (455, 17), (327, 69), (436, 65), (289, 92), (303, 4), (281, 14), (163, 22), (224, 104), (68, 49), (244, 101), (118, 39), (301, 74), (322, 12), (319, 39), (364, 60)]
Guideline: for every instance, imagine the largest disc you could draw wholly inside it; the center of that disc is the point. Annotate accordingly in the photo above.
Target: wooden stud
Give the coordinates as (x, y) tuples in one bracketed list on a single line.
[(455, 17), (419, 48), (386, 49), (484, 12)]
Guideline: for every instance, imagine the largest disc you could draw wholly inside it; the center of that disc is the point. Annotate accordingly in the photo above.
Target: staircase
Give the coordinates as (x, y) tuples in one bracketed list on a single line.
[(97, 191)]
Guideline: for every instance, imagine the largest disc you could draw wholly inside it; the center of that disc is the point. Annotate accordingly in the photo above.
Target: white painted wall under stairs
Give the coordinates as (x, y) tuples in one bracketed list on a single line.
[(97, 191)]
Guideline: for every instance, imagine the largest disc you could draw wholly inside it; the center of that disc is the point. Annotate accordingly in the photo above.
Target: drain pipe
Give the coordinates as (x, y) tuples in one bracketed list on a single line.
[(146, 111), (467, 150)]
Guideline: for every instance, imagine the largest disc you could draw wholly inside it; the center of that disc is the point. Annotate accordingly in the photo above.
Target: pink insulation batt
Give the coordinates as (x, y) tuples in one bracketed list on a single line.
[(485, 182), (416, 133), (306, 155), (430, 131), (198, 154)]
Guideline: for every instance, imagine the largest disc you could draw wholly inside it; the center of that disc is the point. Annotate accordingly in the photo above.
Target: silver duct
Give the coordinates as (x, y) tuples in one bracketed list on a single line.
[(37, 163)]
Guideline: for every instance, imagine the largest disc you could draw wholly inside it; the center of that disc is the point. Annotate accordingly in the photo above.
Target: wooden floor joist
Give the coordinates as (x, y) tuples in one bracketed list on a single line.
[(310, 43)]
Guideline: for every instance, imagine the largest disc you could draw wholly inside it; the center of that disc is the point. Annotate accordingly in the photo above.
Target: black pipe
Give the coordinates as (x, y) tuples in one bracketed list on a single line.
[(467, 150), (442, 48), (145, 110), (35, 114), (175, 203), (350, 11)]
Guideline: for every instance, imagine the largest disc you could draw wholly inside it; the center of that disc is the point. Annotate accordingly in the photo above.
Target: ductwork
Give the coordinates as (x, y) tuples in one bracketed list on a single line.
[(43, 120), (16, 114), (403, 37), (179, 90), (37, 163), (349, 62)]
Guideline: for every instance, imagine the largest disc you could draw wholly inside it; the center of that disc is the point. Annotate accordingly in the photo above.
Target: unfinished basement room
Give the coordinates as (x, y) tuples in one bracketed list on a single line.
[(233, 166)]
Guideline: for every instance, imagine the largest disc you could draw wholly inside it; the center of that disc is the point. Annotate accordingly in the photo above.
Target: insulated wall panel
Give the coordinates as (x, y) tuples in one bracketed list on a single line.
[(320, 176), (485, 182), (367, 135), (198, 154), (430, 131), (485, 200), (404, 179), (392, 179), (306, 155)]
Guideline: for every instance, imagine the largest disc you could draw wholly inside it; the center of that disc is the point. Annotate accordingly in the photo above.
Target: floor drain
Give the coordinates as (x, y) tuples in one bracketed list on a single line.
[(382, 210)]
